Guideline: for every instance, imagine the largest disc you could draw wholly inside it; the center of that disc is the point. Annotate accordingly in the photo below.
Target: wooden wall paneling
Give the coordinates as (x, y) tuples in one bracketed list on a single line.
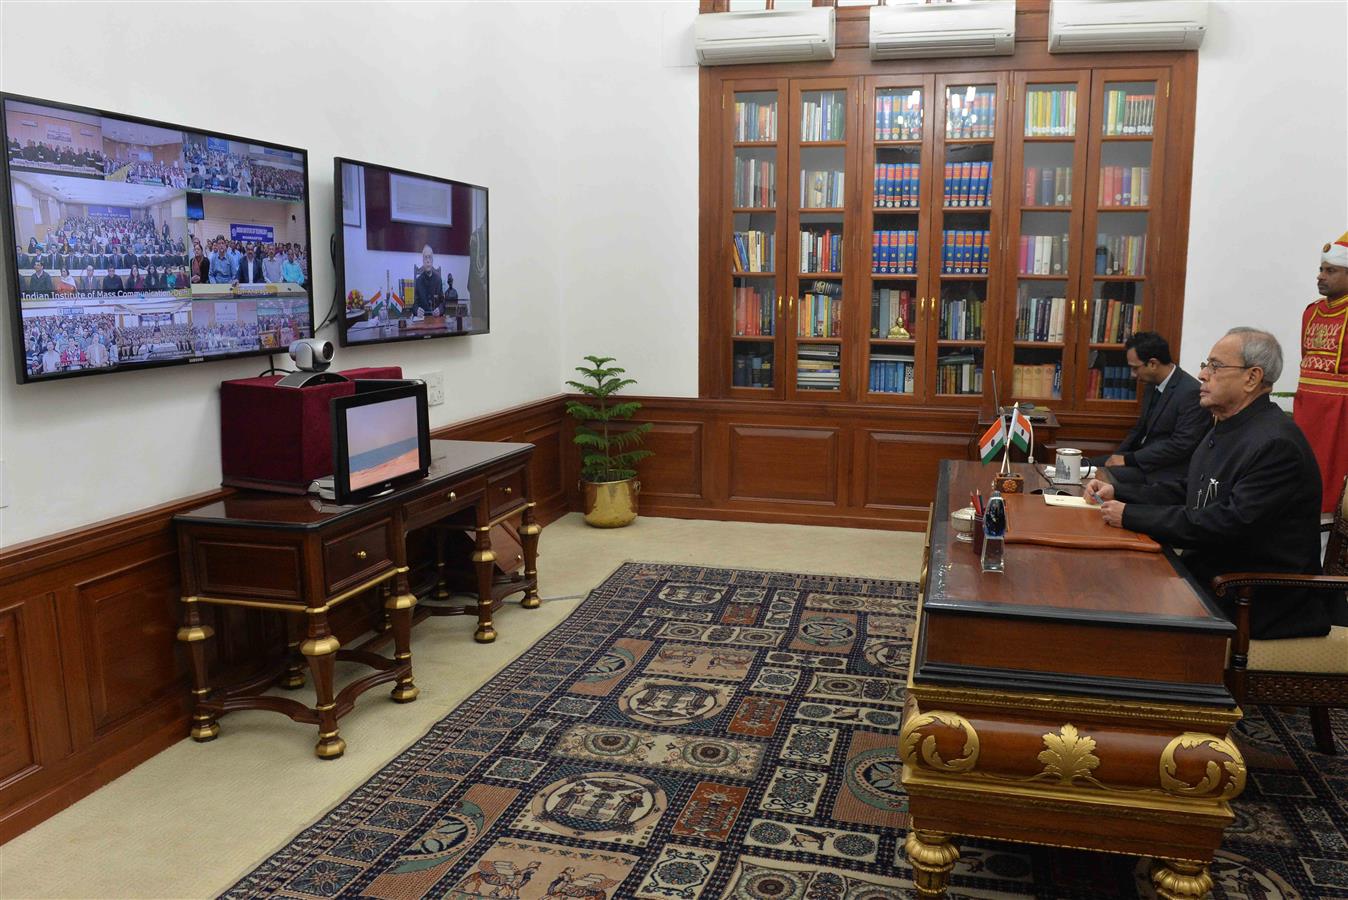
[(897, 470), (33, 728), (789, 463), (675, 471)]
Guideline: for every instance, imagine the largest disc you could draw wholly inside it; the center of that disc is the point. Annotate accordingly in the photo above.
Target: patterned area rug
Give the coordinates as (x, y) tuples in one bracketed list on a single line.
[(696, 733)]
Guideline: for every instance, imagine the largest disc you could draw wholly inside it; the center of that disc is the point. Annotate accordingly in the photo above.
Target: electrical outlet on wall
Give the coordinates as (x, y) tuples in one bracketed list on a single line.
[(435, 387)]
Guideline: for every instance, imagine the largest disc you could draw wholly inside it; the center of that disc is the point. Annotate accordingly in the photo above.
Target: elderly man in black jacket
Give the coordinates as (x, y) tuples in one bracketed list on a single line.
[(1171, 423), (1250, 501)]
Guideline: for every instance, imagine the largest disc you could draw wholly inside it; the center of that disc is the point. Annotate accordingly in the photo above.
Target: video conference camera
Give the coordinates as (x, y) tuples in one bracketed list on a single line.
[(312, 358)]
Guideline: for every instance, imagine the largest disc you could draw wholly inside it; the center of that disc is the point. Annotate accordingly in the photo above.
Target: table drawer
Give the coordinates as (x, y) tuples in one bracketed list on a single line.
[(505, 491), (439, 503), (349, 559)]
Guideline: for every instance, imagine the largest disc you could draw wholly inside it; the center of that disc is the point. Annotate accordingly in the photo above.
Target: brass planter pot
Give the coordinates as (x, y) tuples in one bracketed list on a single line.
[(610, 504)]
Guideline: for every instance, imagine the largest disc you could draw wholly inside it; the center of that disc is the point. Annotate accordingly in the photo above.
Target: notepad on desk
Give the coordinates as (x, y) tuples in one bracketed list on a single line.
[(1063, 500)]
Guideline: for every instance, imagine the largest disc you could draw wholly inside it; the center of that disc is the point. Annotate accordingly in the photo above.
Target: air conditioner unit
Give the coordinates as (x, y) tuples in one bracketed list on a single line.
[(788, 35), (1095, 26), (977, 28)]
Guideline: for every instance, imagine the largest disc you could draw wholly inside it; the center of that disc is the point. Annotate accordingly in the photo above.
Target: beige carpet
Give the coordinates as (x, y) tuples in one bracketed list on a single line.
[(193, 819)]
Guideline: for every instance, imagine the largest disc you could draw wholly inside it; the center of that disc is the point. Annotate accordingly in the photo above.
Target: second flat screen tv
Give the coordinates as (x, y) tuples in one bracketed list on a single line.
[(411, 254)]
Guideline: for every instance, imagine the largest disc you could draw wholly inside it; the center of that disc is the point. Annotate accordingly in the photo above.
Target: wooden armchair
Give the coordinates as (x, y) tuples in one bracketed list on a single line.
[(1309, 672)]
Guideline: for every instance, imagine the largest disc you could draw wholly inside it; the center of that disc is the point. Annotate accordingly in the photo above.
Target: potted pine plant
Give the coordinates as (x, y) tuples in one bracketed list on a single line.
[(610, 446)]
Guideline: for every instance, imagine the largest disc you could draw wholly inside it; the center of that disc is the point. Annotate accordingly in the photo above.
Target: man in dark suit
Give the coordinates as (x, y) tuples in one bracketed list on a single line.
[(250, 268), (1171, 424), (39, 282)]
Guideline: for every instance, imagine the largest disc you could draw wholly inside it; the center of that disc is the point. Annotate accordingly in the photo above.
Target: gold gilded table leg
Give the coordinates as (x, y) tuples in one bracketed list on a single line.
[(529, 530), (320, 648), (293, 678), (400, 613), (1177, 879), (485, 560), (194, 635), (932, 856)]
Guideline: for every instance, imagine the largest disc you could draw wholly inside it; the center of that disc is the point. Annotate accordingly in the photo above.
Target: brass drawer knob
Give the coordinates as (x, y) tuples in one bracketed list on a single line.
[(453, 496), (508, 490), (361, 554)]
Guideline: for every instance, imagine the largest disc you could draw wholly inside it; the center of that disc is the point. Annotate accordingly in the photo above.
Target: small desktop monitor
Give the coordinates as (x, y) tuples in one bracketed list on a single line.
[(381, 440), (411, 255)]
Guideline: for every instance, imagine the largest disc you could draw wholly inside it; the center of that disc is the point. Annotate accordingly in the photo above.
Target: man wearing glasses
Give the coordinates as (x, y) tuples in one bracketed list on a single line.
[(1171, 423), (1250, 500)]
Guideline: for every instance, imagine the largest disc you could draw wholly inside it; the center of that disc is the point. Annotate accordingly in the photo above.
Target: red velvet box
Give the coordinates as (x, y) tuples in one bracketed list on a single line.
[(280, 438)]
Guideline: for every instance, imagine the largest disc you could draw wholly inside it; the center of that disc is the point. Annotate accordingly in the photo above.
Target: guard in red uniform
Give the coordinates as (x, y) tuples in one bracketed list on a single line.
[(1321, 405)]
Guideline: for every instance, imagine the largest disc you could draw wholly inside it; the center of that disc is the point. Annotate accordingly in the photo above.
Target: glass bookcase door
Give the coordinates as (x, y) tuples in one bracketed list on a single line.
[(897, 156), (821, 179), (1048, 158), (1121, 261), (757, 173), (966, 203)]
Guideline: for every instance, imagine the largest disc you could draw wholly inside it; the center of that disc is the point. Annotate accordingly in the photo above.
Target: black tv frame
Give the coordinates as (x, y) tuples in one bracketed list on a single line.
[(339, 263), (341, 459), (9, 237)]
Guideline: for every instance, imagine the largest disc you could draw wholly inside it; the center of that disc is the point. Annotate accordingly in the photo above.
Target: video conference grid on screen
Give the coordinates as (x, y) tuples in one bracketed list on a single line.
[(138, 244), (413, 255)]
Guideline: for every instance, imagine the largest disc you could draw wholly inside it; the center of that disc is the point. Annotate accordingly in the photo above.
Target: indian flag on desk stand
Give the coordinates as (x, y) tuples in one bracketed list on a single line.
[(1022, 434), (993, 440)]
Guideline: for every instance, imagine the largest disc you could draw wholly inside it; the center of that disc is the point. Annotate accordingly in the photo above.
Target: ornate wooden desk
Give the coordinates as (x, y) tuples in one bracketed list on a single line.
[(1076, 700), (304, 556)]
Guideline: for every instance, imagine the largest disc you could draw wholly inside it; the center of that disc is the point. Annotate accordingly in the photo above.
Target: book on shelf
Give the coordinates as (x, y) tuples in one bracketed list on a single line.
[(754, 250), (755, 121), (1040, 318), (1047, 186), (1039, 380), (818, 367), (755, 182), (821, 251), (1125, 185), (1127, 113), (967, 183), (753, 312), (959, 373), (898, 117), (961, 320), (897, 185), (1110, 383), (1120, 254), (1051, 112), (894, 252), (752, 370), (823, 119), (891, 373), (1043, 254), (819, 315), (965, 252), (888, 305), (1114, 321), (970, 117), (821, 189)]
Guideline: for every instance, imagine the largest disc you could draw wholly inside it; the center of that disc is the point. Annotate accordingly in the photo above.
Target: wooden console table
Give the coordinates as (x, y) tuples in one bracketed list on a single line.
[(1076, 700), (303, 556)]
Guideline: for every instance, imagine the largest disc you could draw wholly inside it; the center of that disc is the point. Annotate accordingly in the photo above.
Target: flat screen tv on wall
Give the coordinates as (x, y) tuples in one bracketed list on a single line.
[(135, 243), (411, 255)]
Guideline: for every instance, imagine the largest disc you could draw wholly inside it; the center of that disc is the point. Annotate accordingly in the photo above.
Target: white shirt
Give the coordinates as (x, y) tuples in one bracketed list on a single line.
[(1160, 388)]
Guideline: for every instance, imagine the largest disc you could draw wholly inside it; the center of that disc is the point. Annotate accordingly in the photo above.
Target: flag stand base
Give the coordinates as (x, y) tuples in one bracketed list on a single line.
[(1009, 483)]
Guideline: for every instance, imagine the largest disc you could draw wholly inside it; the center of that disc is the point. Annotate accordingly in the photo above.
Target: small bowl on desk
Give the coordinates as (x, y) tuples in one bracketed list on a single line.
[(962, 520)]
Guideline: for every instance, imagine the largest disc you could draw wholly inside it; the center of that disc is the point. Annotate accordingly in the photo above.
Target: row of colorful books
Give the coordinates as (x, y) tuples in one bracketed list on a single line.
[(892, 374), (1051, 112), (1120, 254), (959, 373), (1048, 186), (821, 189), (1111, 383), (898, 117), (1127, 113), (753, 312), (755, 182), (754, 250), (967, 183), (965, 252), (894, 253), (961, 320), (1040, 318), (818, 367), (1041, 380), (970, 117), (1113, 321), (1043, 254), (819, 315), (1125, 185), (755, 121), (892, 309), (821, 251), (752, 369), (823, 119), (897, 184)]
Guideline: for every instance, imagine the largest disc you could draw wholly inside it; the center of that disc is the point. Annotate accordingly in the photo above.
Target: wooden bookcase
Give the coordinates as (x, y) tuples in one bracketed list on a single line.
[(992, 164)]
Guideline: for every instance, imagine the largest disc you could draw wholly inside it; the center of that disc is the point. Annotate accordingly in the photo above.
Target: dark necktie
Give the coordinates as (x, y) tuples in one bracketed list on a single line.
[(1152, 403)]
